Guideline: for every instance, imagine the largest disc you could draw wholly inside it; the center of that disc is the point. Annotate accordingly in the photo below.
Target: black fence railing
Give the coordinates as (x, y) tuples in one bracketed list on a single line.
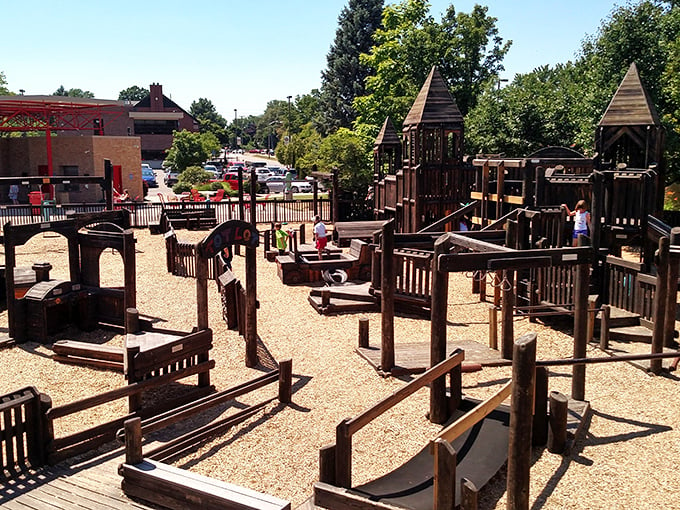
[(142, 214)]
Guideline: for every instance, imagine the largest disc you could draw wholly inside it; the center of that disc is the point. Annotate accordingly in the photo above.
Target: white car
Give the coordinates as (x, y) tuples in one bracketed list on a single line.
[(213, 170), (277, 184)]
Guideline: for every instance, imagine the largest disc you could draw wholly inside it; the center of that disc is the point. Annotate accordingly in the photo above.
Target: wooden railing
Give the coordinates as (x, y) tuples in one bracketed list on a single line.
[(628, 288), (23, 432), (144, 213), (413, 271), (348, 427)]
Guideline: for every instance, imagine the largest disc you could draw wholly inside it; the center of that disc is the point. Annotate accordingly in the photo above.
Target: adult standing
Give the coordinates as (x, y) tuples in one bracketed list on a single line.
[(320, 235)]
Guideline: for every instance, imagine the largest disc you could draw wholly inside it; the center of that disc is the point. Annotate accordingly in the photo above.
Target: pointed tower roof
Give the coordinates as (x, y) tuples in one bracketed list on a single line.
[(631, 104), (434, 103), (388, 135)]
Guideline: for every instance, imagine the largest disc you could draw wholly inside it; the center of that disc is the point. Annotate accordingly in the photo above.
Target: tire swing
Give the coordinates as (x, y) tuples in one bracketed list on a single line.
[(334, 276)]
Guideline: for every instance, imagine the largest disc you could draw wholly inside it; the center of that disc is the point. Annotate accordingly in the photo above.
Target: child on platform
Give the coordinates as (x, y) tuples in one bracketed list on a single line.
[(281, 238), (581, 219)]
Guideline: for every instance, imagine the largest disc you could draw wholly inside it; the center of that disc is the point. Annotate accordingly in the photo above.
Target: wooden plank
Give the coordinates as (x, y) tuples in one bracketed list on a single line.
[(462, 424), (427, 377), (336, 498), (191, 488)]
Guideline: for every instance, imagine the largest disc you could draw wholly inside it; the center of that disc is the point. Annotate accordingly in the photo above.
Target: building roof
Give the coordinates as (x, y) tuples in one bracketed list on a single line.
[(388, 134), (61, 101), (631, 104), (434, 103)]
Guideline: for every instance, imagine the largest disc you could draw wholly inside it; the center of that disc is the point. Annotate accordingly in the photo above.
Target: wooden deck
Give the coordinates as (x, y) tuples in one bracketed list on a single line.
[(415, 358), (92, 485)]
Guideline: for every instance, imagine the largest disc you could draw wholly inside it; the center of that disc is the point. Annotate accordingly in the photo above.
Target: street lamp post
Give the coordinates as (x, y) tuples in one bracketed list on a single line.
[(235, 132), (290, 136)]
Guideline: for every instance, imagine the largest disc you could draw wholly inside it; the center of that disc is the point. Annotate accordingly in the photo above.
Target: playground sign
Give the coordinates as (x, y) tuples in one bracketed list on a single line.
[(230, 233)]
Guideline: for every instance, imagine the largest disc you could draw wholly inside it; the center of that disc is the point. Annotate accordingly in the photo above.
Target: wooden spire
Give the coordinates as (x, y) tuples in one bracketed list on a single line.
[(434, 103), (631, 104), (388, 134)]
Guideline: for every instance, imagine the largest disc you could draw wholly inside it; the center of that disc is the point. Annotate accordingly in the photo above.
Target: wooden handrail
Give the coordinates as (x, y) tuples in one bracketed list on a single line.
[(473, 416), (358, 422)]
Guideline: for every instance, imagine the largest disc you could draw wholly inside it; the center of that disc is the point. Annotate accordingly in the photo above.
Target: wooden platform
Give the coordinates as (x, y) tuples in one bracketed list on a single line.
[(345, 231), (94, 485), (350, 297), (414, 358)]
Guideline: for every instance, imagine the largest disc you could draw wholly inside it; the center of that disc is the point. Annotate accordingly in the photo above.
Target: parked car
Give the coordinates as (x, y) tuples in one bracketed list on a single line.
[(213, 170), (262, 174), (149, 177), (277, 184), (231, 178), (171, 178)]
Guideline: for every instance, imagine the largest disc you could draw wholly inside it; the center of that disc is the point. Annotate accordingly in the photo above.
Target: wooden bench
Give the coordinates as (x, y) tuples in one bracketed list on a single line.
[(178, 489), (83, 353), (191, 218)]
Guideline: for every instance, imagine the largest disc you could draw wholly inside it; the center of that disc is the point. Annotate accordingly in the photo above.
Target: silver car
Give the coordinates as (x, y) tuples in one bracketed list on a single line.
[(277, 183)]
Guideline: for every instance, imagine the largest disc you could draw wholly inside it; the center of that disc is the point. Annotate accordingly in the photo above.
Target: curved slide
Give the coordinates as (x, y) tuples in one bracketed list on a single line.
[(481, 452)]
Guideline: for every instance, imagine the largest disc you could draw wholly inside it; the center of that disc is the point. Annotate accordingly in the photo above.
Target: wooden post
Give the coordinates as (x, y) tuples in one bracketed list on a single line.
[(581, 288), (469, 495), (604, 327), (327, 464), (519, 443), (387, 291), (285, 381), (493, 327), (592, 312), (455, 388), (539, 193), (375, 260), (439, 411), (557, 435), (335, 212), (672, 292), (325, 297), (131, 320), (201, 288), (241, 205), (444, 475), (661, 257), (343, 455), (253, 197), (497, 279), (507, 314), (302, 233), (539, 429), (363, 332), (251, 307), (315, 196), (133, 441)]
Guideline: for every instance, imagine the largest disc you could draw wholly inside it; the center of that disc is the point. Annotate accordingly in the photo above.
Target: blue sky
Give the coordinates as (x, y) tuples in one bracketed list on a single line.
[(238, 54)]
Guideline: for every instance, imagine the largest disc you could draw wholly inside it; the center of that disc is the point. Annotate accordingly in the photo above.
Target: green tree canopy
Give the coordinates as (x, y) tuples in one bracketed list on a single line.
[(208, 119), (134, 94), (4, 91), (61, 91), (344, 77), (191, 149), (466, 48)]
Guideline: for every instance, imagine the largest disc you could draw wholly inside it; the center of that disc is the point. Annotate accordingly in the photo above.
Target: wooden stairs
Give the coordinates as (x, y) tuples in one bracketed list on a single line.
[(625, 326), (347, 298)]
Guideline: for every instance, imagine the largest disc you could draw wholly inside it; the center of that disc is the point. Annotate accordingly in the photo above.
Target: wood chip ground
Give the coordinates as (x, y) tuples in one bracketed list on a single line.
[(629, 458)]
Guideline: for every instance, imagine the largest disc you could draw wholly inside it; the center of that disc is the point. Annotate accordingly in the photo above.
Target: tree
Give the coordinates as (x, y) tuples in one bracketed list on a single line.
[(61, 91), (209, 120), (466, 48), (4, 91), (134, 94), (190, 149), (351, 154), (344, 77)]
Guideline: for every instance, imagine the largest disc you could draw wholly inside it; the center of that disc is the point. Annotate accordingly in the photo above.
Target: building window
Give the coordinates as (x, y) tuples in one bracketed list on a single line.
[(156, 127)]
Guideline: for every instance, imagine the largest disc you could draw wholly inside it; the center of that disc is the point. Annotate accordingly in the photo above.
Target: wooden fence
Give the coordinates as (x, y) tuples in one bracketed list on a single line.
[(627, 287), (24, 435), (144, 213)]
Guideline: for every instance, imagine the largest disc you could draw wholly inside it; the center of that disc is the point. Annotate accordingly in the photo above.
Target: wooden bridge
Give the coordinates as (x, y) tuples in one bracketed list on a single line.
[(93, 484)]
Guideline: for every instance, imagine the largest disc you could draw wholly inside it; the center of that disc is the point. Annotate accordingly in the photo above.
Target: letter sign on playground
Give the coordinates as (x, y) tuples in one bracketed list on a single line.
[(230, 233)]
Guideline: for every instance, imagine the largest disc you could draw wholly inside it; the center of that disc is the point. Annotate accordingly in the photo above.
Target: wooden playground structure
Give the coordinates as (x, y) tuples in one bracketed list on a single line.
[(518, 256)]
